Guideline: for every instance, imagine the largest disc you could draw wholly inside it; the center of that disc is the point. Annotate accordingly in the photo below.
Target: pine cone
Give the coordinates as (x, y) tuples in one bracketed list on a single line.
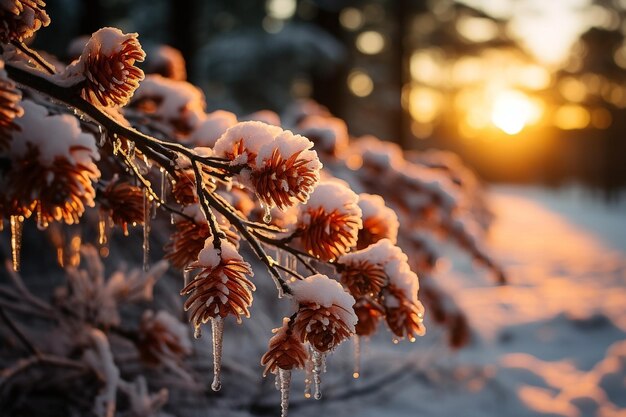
[(369, 314), (221, 287), (123, 202), (285, 351), (404, 317), (363, 277), (108, 65), (21, 19), (322, 327)]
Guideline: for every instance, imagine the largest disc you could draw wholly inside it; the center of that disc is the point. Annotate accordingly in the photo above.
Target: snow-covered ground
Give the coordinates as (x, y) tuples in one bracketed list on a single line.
[(552, 343)]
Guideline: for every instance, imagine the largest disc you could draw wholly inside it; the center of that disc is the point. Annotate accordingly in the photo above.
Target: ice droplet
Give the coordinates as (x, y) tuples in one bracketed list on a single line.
[(17, 223), (197, 332), (285, 381), (146, 230), (357, 356), (217, 329), (318, 358)]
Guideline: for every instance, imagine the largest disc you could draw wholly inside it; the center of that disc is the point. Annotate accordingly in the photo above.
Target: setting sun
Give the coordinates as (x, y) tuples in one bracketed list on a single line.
[(512, 111)]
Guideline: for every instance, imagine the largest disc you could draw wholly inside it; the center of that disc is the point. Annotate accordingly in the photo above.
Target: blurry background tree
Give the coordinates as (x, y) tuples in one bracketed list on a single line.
[(469, 76)]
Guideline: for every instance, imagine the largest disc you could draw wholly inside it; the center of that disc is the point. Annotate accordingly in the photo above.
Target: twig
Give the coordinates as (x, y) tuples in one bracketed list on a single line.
[(19, 333), (34, 55)]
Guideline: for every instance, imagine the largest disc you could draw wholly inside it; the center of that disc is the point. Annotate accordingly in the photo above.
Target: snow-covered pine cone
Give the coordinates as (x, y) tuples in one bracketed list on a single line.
[(329, 222), (285, 351), (52, 167), (325, 316), (280, 167), (107, 66), (221, 287), (379, 221)]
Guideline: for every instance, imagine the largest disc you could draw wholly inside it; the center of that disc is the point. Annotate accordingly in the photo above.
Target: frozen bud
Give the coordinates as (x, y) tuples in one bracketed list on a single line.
[(285, 351), (286, 171), (325, 317), (369, 313), (53, 166), (10, 108), (379, 221), (163, 339), (123, 203), (108, 67), (21, 19), (221, 287), (328, 224)]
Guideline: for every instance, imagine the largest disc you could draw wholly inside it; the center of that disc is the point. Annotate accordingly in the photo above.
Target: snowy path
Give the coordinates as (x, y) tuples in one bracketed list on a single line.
[(552, 343)]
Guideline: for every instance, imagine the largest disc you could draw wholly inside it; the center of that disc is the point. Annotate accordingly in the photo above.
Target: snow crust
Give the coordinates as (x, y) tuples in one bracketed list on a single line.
[(209, 130), (54, 136), (180, 99), (373, 205), (326, 292), (335, 195)]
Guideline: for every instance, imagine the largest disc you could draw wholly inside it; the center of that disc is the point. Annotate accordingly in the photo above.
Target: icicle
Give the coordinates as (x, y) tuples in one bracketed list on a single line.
[(146, 230), (277, 381), (17, 223), (197, 332), (42, 224), (285, 381), (161, 192), (308, 378), (103, 222), (357, 356), (318, 358), (217, 328), (102, 136)]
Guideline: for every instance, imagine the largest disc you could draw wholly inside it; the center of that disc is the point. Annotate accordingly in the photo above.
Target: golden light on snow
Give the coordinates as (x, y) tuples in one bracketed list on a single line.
[(370, 42), (512, 111), (360, 84)]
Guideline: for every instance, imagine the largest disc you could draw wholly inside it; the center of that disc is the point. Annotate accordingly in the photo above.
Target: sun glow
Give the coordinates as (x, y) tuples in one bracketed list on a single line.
[(512, 111)]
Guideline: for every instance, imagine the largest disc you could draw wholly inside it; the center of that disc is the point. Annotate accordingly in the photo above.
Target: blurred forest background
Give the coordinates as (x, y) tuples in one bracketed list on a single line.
[(524, 90)]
